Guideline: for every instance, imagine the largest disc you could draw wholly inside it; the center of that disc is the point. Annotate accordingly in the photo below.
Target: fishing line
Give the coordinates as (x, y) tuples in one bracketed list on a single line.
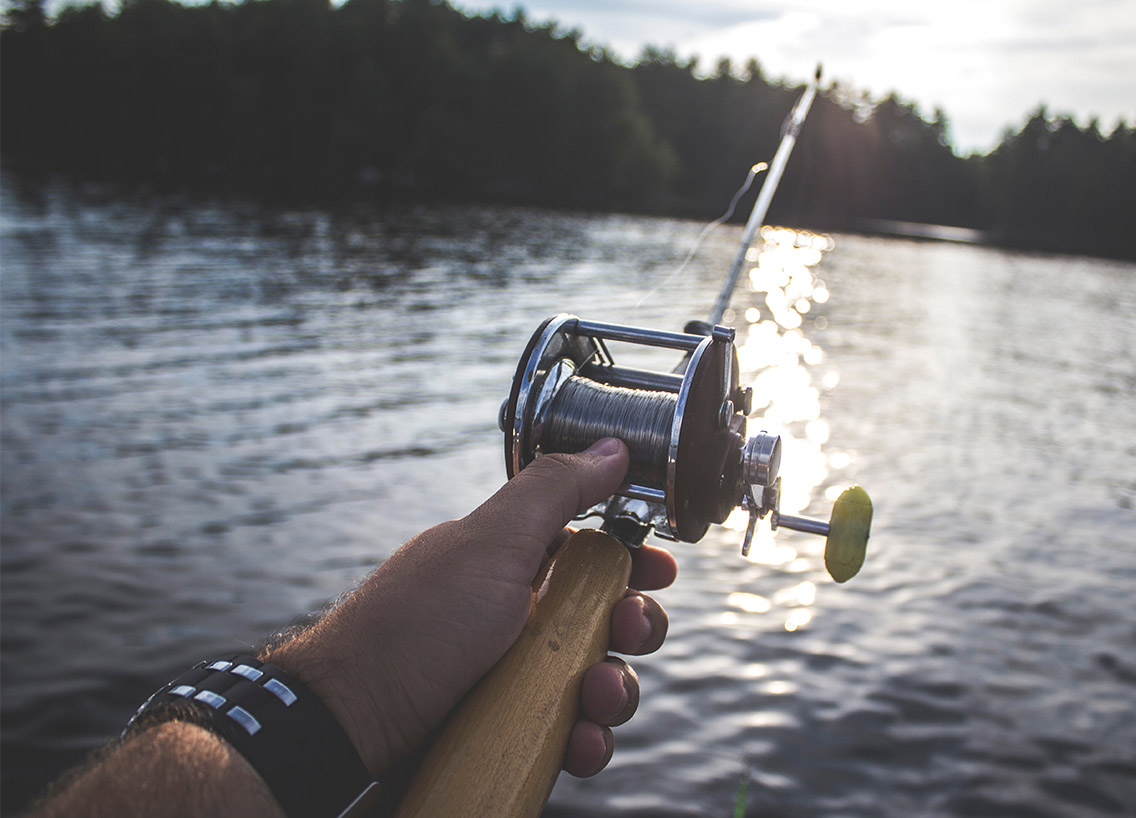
[(585, 411), (793, 125), (789, 131), (718, 222)]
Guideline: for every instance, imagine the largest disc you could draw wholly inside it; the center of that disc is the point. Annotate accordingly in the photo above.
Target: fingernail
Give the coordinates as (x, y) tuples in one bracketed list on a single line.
[(606, 447)]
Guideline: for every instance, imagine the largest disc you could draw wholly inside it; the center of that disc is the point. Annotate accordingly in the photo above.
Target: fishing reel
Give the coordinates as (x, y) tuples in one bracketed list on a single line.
[(692, 462)]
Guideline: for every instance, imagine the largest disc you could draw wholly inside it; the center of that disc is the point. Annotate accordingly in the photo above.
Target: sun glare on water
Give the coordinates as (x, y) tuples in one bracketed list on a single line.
[(787, 369)]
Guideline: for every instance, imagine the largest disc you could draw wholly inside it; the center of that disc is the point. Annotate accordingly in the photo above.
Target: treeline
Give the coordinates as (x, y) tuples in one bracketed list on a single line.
[(411, 98)]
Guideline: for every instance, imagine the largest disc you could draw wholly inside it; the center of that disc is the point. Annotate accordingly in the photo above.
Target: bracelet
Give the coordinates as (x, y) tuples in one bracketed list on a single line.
[(281, 728)]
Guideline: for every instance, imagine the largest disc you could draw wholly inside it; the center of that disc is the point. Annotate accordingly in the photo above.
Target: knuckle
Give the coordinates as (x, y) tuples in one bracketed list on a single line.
[(558, 471)]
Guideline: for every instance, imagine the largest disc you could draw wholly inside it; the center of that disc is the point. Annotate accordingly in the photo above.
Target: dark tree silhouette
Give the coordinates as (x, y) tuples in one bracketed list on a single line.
[(412, 98)]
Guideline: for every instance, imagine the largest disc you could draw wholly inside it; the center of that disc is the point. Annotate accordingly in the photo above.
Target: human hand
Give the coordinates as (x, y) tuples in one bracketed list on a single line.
[(398, 654)]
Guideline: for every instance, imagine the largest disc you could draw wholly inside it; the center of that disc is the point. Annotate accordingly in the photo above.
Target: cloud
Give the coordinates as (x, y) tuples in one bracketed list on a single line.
[(987, 63)]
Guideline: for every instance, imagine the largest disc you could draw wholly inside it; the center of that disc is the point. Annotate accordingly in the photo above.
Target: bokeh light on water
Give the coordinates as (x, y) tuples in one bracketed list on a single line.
[(786, 367)]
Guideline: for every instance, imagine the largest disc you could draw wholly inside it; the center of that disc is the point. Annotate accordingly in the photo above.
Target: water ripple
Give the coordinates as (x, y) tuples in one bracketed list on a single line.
[(217, 416)]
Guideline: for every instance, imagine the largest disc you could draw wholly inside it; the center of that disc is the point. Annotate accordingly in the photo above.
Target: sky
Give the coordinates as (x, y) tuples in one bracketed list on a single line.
[(986, 63)]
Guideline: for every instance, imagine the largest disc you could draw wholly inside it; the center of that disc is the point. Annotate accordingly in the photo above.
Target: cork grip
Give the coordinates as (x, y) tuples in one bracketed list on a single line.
[(500, 751)]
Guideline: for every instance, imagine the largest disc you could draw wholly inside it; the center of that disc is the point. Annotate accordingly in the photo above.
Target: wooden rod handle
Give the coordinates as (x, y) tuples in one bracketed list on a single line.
[(500, 751)]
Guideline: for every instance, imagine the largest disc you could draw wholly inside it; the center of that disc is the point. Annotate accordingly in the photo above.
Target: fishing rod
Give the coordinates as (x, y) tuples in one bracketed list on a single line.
[(691, 464), (790, 130)]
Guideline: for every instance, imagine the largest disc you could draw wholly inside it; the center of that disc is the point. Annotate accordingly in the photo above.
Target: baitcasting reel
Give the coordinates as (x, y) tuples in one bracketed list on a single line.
[(691, 461)]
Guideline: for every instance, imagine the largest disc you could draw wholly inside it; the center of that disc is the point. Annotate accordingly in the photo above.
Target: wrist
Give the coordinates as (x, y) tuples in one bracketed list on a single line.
[(336, 671), (277, 723)]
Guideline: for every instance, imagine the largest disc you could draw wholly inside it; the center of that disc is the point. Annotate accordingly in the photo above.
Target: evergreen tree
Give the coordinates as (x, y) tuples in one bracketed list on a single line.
[(394, 98)]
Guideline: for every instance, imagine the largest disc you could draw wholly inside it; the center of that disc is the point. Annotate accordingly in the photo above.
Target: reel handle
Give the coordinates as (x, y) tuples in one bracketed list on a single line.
[(846, 532), (500, 751)]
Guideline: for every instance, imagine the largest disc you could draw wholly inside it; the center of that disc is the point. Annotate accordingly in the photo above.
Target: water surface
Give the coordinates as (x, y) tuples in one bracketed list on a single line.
[(217, 416)]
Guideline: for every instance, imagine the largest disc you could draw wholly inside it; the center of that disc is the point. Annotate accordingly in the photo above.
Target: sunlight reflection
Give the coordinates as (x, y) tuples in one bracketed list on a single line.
[(803, 594), (755, 670), (769, 718), (798, 618), (751, 603), (839, 460), (778, 687), (777, 358)]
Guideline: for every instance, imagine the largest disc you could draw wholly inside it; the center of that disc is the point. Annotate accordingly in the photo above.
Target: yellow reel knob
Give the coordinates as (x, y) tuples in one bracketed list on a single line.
[(848, 530)]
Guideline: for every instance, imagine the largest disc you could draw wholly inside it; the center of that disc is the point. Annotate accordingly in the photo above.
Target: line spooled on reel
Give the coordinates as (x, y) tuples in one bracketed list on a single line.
[(692, 462)]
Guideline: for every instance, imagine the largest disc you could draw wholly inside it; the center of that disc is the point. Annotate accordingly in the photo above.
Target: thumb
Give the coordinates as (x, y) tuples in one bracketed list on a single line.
[(554, 488)]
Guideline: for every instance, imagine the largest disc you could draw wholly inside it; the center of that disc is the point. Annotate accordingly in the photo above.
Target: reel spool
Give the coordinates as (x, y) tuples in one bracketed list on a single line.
[(691, 460)]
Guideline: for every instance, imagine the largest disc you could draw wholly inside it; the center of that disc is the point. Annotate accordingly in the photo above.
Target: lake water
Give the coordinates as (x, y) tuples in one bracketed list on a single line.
[(217, 416)]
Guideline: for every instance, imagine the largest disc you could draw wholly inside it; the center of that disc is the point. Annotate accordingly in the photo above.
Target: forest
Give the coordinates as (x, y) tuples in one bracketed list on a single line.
[(395, 100)]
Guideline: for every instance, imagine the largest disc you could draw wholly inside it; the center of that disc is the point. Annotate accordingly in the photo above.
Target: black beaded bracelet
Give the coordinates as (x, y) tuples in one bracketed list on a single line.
[(283, 729)]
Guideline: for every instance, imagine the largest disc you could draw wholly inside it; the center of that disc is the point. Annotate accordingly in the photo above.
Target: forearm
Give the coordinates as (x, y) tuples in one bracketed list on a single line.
[(179, 768), (391, 659), (171, 769), (388, 663)]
